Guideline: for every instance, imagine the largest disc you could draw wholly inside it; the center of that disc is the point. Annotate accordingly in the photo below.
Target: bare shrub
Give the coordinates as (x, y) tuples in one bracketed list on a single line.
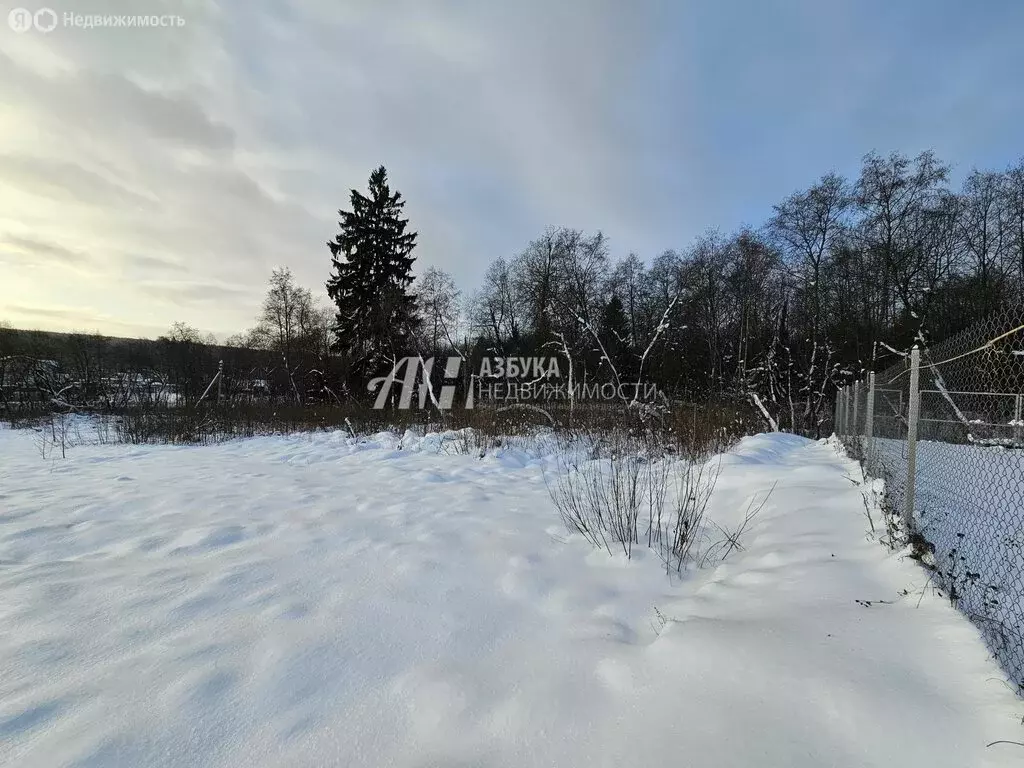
[(695, 485), (730, 538), (605, 480)]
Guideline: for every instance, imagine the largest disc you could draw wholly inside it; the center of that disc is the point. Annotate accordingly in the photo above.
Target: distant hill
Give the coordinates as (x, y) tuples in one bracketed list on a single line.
[(28, 357)]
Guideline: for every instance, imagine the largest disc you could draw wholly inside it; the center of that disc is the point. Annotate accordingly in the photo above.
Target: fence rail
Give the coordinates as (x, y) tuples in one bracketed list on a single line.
[(944, 429)]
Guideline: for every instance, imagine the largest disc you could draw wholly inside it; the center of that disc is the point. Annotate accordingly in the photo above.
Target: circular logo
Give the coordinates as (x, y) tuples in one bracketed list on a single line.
[(20, 20), (45, 20)]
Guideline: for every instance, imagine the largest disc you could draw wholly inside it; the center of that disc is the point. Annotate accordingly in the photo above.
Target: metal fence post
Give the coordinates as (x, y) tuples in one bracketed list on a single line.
[(841, 410), (914, 409), (856, 408), (869, 422), (835, 415), (848, 420), (846, 410), (1018, 410), (220, 380)]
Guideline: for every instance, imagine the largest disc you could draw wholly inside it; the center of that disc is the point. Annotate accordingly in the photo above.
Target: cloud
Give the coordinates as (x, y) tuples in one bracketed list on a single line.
[(205, 155), (63, 314), (114, 107), (192, 294), (33, 251), (152, 264), (76, 319), (66, 182)]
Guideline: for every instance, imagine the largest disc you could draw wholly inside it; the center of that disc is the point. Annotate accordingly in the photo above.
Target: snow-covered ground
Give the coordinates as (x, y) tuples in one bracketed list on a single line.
[(969, 505), (319, 601)]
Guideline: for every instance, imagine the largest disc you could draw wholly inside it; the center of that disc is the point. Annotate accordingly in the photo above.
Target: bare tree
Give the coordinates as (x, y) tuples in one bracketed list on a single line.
[(535, 277), (1013, 206), (983, 226), (496, 314), (184, 333), (809, 226), (438, 299), (293, 327), (891, 194)]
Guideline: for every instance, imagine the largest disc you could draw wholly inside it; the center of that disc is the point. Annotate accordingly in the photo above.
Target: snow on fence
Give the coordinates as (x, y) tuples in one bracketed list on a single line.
[(944, 429)]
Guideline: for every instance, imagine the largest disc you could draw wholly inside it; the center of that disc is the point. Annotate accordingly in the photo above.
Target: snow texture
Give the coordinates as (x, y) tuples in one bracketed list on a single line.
[(968, 506), (316, 600)]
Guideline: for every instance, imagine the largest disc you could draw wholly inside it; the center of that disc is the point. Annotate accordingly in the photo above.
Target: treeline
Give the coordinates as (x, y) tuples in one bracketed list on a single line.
[(776, 315), (781, 313), (285, 356)]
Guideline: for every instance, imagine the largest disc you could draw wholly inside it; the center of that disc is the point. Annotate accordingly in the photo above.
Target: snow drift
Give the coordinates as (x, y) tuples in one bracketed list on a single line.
[(317, 600)]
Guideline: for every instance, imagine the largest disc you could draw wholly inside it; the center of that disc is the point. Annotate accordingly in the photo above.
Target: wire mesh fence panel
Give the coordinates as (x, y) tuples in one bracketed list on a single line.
[(888, 454), (967, 484), (970, 477), (856, 413)]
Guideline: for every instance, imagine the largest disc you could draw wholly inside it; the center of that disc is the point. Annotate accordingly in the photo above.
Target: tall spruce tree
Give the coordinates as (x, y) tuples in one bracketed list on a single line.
[(372, 258), (614, 334)]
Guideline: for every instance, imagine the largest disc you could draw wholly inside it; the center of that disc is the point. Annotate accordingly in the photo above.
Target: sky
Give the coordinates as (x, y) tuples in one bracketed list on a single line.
[(154, 175)]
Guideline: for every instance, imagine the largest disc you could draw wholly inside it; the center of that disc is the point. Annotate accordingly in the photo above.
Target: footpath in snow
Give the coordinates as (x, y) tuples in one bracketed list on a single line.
[(319, 601)]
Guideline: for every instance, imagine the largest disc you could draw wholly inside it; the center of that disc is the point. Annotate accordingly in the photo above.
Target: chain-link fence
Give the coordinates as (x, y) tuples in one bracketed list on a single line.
[(944, 429)]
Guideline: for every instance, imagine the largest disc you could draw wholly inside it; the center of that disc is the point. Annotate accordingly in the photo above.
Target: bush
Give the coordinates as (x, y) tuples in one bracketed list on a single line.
[(607, 483)]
